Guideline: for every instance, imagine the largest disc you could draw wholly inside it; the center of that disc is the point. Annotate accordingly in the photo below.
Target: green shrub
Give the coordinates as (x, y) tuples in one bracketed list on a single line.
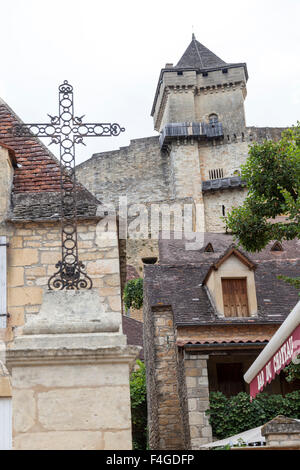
[(133, 293), (233, 415), (138, 395)]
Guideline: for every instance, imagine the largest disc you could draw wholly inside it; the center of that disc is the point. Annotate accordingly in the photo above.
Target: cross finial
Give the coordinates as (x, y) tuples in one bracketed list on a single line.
[(193, 37)]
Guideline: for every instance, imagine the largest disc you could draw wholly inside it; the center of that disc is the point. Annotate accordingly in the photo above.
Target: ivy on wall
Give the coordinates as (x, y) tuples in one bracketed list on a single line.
[(138, 395), (233, 415), (133, 293)]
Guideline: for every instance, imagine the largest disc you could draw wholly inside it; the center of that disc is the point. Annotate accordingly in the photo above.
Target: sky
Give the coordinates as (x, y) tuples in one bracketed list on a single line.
[(112, 53)]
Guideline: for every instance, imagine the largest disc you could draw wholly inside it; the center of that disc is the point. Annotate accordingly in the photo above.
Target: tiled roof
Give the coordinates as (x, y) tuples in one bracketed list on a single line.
[(177, 281), (220, 334), (37, 171), (220, 341), (133, 329), (199, 56)]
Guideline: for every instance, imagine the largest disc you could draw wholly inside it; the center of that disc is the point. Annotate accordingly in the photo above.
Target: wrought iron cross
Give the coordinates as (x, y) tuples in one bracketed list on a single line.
[(68, 130)]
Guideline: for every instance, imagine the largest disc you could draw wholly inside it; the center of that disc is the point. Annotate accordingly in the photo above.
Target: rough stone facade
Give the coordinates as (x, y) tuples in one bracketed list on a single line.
[(196, 374), (146, 175), (34, 249), (71, 363), (282, 433), (167, 422)]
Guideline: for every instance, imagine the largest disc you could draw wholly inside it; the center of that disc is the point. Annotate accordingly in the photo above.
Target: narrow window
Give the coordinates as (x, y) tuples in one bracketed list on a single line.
[(150, 260), (223, 211), (216, 174), (213, 118), (235, 297), (277, 247)]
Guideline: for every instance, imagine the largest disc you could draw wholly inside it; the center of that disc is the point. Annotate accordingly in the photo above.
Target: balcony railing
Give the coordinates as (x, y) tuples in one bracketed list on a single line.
[(190, 129)]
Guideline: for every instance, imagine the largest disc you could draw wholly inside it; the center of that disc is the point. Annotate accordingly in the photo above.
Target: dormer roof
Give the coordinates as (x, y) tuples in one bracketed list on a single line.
[(231, 251)]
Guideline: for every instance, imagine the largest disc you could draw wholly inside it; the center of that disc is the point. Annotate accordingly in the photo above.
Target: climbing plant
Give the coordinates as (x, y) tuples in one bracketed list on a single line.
[(233, 415), (133, 294), (138, 395)]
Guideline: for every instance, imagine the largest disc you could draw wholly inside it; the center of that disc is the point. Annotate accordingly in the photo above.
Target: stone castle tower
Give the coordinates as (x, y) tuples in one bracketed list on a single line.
[(203, 140)]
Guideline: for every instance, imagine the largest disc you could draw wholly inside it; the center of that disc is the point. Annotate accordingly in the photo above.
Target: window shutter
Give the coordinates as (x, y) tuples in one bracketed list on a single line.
[(235, 297), (5, 424), (3, 282)]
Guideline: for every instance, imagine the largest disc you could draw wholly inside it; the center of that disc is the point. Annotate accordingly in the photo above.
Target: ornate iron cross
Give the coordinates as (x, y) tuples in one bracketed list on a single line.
[(68, 130)]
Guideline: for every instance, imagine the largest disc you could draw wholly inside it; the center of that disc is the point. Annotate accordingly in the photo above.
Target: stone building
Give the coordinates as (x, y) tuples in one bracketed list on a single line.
[(208, 312), (207, 315), (195, 158), (66, 353)]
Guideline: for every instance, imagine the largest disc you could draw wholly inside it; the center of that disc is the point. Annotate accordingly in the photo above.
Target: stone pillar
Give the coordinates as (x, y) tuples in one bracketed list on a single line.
[(70, 376), (165, 423), (282, 432), (198, 399)]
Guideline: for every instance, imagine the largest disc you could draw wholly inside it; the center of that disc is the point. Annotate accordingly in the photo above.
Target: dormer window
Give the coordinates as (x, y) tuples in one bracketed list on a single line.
[(209, 248), (231, 285)]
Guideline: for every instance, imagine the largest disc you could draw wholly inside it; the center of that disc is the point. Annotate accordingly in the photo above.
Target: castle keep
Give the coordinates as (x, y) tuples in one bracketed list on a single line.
[(209, 311), (198, 111)]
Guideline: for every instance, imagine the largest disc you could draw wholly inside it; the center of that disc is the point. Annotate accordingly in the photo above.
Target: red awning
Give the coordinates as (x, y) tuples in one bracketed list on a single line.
[(282, 358), (283, 348)]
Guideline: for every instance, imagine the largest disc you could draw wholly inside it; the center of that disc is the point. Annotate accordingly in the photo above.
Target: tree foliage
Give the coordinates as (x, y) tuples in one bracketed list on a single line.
[(230, 416), (138, 395), (272, 176), (133, 293), (292, 371)]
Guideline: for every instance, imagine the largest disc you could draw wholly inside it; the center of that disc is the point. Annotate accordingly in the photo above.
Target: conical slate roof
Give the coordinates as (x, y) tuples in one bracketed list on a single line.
[(198, 56)]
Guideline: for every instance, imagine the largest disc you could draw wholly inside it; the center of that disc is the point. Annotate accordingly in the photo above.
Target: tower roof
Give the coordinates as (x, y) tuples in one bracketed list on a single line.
[(198, 56)]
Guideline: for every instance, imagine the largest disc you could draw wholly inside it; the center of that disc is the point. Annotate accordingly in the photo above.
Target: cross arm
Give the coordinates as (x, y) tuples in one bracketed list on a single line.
[(36, 130), (81, 129)]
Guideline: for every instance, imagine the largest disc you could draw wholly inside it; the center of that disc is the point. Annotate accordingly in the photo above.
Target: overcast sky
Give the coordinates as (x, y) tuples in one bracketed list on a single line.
[(112, 53)]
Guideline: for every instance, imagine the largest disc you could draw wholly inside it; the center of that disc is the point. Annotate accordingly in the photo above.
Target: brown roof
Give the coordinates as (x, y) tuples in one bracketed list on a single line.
[(133, 329), (178, 281)]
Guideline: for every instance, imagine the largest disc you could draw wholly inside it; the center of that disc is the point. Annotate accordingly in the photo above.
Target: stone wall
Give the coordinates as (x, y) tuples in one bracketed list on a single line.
[(45, 417), (215, 202), (138, 171), (198, 399), (166, 428), (282, 433)]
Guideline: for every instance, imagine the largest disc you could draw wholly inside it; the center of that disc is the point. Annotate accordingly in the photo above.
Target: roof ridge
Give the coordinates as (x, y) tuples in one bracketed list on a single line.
[(198, 52)]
